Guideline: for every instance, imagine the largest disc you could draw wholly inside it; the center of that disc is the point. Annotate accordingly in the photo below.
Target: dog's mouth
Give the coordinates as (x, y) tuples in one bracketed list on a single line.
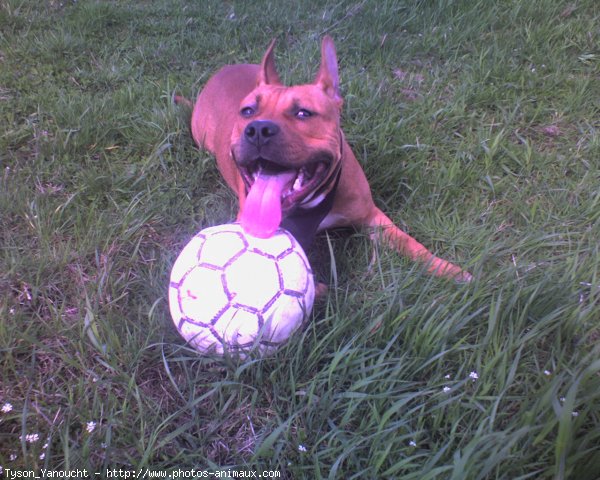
[(275, 190), (296, 183)]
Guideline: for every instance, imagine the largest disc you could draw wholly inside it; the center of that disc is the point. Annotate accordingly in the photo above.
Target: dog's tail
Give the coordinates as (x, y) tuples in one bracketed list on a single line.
[(179, 100)]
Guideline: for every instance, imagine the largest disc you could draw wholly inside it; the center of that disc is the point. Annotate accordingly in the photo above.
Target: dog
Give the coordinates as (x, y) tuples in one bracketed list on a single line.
[(282, 151)]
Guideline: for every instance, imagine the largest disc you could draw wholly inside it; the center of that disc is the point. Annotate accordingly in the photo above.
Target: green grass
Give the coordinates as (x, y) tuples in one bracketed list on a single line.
[(478, 124)]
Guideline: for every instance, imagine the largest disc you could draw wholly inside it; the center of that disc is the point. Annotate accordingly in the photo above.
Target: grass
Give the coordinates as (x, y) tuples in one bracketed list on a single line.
[(478, 126)]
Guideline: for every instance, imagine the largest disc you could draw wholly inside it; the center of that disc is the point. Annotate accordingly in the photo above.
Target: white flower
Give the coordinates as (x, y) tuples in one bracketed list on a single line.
[(446, 389), (90, 426), (7, 407), (473, 376), (412, 443), (447, 377), (302, 448), (13, 457), (547, 372), (31, 437), (575, 414)]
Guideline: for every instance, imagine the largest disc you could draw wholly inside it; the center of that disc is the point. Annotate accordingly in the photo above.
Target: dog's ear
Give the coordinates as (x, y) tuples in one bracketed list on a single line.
[(328, 78), (267, 74)]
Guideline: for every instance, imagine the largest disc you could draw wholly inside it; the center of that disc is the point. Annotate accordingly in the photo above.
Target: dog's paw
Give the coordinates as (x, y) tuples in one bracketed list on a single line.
[(463, 277), (179, 100), (321, 290)]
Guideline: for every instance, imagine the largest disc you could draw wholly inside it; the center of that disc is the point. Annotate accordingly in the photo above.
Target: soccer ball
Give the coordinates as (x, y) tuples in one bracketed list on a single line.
[(230, 290)]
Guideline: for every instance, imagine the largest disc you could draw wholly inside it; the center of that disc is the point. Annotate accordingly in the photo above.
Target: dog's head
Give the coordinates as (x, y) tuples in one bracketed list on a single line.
[(287, 142)]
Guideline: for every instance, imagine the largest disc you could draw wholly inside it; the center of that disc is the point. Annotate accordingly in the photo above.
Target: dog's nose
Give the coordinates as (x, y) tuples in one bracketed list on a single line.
[(259, 132)]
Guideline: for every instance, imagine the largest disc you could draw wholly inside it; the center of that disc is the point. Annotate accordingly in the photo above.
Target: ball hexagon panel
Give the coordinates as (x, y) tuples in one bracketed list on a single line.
[(295, 279), (276, 245), (237, 327), (223, 247), (202, 338), (252, 280), (202, 305), (284, 317)]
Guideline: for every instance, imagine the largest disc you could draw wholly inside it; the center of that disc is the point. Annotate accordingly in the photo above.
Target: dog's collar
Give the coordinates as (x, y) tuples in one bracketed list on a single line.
[(304, 222)]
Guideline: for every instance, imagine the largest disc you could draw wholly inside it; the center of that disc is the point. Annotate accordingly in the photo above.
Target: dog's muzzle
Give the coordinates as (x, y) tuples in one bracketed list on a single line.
[(274, 186)]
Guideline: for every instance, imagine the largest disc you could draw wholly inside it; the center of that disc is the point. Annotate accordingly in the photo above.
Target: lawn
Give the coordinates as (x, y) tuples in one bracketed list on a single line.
[(478, 125)]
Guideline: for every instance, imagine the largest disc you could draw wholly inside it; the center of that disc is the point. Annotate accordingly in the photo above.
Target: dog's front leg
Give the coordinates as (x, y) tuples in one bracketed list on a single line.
[(382, 228)]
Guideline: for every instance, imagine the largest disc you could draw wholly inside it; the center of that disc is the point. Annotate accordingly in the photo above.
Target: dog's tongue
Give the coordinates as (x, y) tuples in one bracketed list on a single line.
[(262, 211)]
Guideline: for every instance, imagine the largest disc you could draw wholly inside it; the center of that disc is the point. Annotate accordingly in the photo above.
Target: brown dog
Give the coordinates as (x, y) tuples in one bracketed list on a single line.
[(281, 149)]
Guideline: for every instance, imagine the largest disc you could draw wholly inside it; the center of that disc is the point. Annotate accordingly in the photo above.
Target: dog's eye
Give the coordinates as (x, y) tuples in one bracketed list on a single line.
[(303, 113), (247, 112)]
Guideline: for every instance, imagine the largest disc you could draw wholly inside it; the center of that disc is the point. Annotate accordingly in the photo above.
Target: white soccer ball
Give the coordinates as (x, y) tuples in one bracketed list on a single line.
[(230, 290)]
